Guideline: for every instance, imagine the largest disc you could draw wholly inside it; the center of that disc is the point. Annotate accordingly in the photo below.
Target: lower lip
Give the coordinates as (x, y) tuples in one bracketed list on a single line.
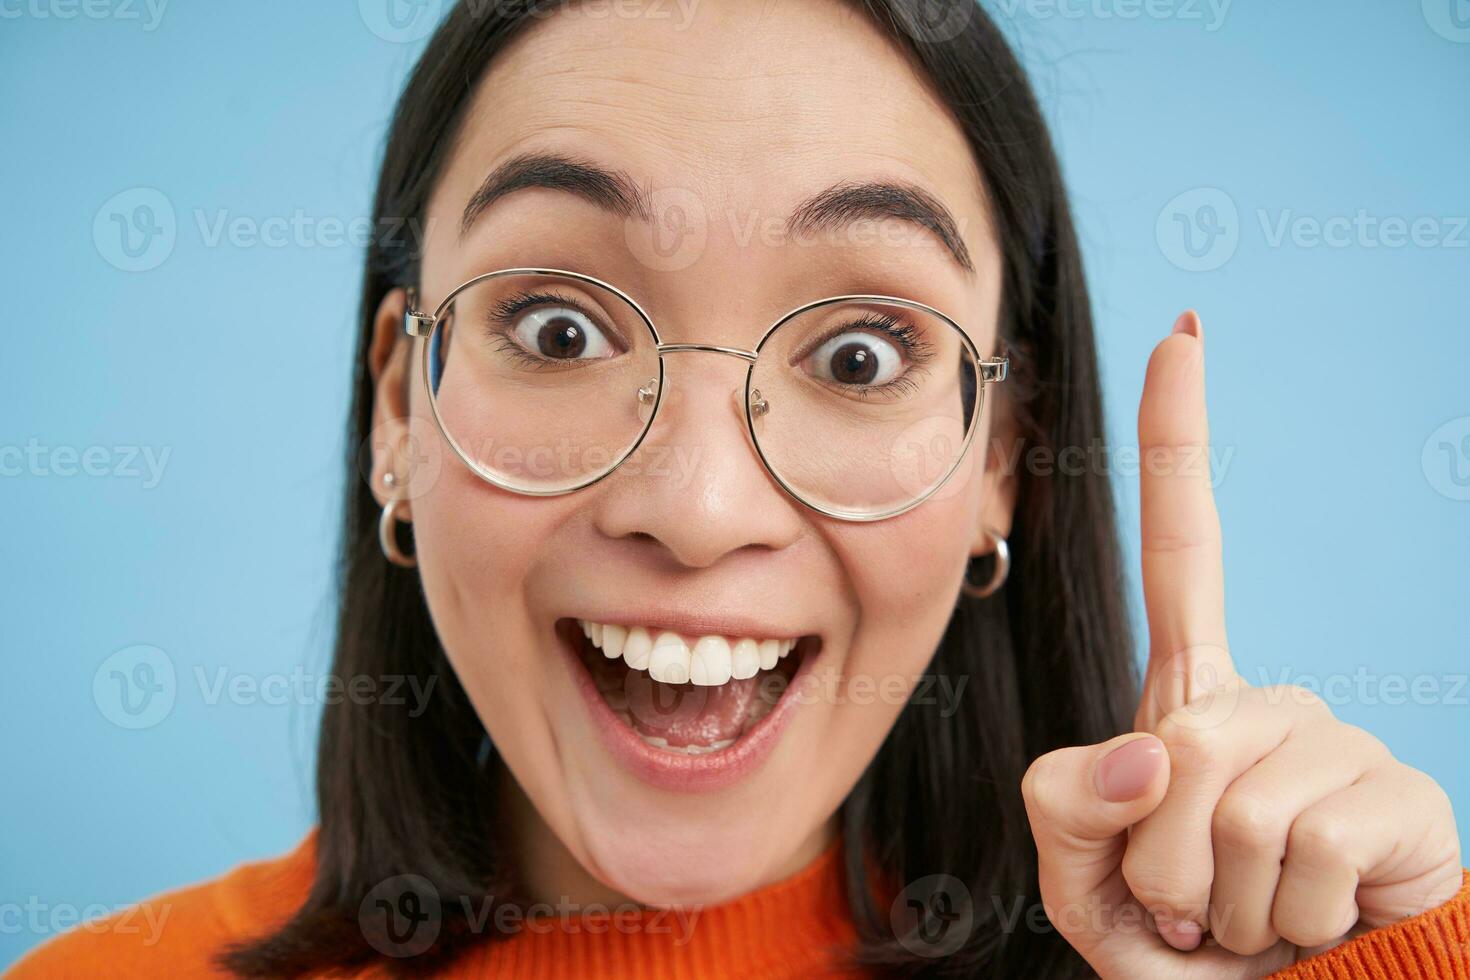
[(672, 770)]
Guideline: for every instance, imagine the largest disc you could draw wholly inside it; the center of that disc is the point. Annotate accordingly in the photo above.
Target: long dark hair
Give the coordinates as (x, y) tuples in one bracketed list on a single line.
[(1049, 658)]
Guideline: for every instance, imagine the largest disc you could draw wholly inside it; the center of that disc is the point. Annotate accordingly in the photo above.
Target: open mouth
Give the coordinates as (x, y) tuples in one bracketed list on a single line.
[(681, 694)]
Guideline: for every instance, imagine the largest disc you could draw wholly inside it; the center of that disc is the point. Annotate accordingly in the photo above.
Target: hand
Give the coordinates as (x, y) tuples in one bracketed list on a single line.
[(1250, 813)]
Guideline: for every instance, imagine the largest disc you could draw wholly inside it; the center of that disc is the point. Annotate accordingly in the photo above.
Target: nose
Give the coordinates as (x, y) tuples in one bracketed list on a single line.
[(695, 486)]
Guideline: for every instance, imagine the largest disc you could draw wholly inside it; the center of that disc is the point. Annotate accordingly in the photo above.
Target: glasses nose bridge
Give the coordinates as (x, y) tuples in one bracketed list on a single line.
[(755, 407), (648, 393), (748, 356)]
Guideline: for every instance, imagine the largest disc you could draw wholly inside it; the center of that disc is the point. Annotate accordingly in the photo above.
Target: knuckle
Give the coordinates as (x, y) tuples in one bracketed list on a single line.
[(1363, 743), (1241, 942), (1156, 887), (1428, 796), (1319, 839), (1438, 799), (1044, 786), (1191, 745), (1310, 930), (1245, 822)]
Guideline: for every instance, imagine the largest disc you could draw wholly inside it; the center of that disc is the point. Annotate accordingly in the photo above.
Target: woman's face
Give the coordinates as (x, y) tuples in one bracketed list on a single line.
[(726, 117)]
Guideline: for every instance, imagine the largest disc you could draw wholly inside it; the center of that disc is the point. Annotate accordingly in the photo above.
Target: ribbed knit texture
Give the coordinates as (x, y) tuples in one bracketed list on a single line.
[(794, 928)]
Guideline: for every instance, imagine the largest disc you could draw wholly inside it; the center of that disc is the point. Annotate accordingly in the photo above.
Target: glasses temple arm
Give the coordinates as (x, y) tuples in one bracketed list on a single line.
[(415, 322)]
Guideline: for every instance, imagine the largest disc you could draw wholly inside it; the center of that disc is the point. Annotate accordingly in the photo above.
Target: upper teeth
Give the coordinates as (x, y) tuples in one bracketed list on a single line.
[(674, 658)]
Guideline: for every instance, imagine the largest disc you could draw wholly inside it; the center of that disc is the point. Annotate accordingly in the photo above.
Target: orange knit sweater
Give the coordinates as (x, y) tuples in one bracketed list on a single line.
[(788, 929)]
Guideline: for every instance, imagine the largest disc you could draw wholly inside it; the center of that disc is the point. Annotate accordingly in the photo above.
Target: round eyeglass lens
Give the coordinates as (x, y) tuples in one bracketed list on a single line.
[(542, 382), (863, 407)]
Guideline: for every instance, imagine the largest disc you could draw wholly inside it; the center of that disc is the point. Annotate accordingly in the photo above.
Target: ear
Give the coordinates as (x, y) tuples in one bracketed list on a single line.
[(388, 357), (1000, 487)]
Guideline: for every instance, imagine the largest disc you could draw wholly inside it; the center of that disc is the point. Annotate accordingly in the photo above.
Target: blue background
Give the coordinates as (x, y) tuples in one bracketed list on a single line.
[(1337, 377)]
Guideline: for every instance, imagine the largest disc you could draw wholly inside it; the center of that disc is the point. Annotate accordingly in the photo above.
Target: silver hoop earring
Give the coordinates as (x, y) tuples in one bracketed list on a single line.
[(997, 577), (388, 532)]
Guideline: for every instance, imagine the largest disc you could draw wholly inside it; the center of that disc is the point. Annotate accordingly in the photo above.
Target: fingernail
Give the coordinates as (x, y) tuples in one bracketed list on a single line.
[(1125, 773), (1184, 935), (1188, 322)]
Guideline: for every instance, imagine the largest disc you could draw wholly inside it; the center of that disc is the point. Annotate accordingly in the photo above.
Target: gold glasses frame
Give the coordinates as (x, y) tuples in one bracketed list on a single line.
[(418, 324)]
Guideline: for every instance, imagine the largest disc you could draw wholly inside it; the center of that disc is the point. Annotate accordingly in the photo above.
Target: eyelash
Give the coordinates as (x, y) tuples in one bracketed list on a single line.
[(502, 317), (904, 335), (915, 349)]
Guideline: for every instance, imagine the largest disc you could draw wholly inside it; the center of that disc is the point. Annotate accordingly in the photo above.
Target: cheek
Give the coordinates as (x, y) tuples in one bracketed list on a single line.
[(906, 572), (475, 545), (473, 542)]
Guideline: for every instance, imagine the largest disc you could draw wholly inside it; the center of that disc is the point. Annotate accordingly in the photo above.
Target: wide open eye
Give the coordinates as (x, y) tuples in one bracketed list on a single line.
[(561, 333), (856, 358)]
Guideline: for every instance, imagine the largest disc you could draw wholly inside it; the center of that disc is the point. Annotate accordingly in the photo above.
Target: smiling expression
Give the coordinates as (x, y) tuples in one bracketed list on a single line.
[(668, 660)]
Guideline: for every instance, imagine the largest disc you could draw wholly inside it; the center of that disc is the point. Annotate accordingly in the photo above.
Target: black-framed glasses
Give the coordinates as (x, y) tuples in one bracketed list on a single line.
[(545, 381)]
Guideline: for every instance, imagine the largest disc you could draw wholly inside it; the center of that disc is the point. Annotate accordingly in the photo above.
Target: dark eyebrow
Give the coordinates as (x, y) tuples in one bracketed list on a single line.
[(615, 192), (845, 203), (838, 206)]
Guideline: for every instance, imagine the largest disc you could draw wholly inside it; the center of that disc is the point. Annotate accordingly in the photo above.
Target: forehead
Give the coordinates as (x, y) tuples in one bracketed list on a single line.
[(744, 107)]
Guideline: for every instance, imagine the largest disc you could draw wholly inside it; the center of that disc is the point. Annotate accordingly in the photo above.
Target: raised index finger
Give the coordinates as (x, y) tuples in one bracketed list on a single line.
[(1183, 574)]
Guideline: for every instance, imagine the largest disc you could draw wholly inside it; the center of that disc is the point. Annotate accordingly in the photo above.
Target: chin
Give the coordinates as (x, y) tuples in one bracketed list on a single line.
[(688, 868)]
